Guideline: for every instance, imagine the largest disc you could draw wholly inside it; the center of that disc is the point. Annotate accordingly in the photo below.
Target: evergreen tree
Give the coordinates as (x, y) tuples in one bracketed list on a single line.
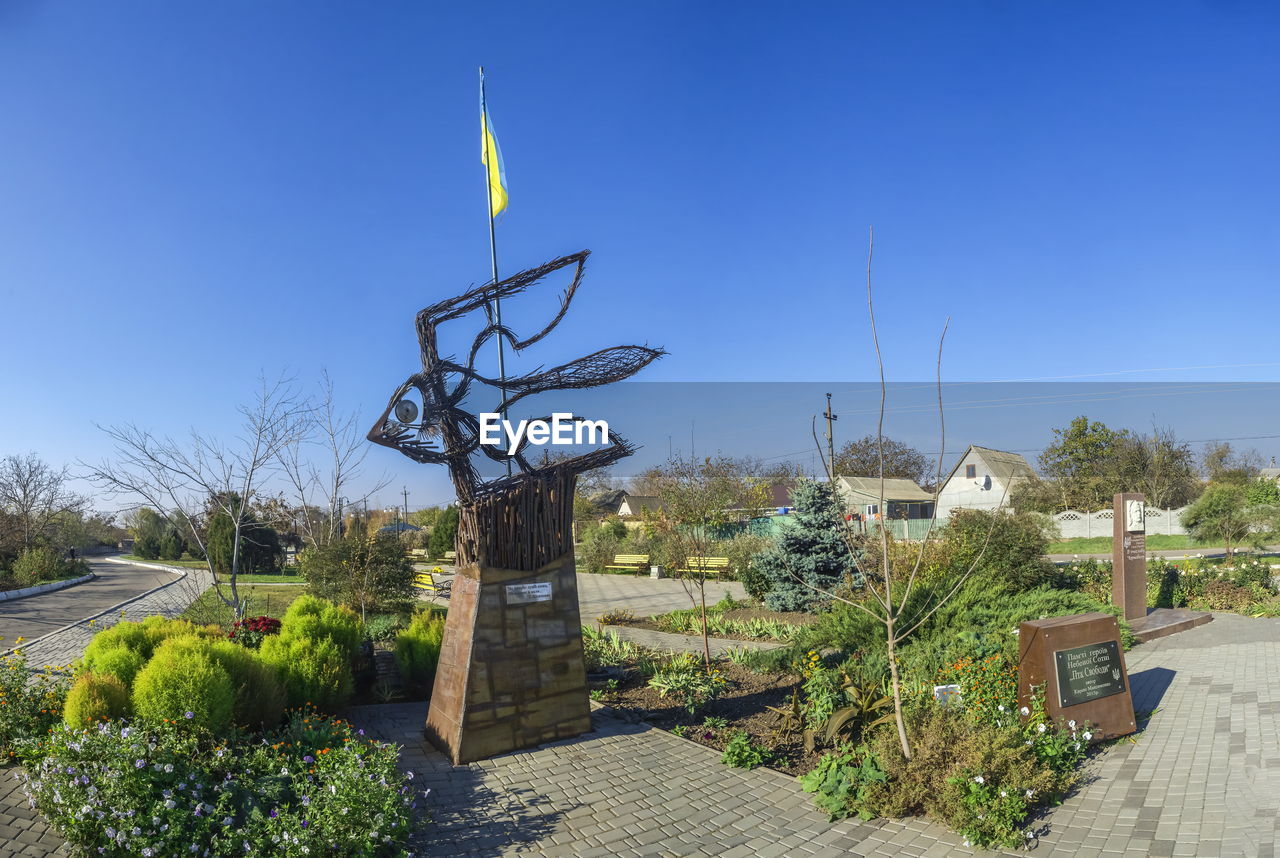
[(813, 547), (445, 533)]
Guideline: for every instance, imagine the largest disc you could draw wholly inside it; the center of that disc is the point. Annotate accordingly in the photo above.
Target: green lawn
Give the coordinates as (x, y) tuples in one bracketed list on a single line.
[(263, 601), (1102, 544)]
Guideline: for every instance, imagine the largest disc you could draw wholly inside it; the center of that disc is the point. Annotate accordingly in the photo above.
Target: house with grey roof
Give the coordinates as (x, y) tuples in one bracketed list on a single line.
[(982, 479), (903, 499)]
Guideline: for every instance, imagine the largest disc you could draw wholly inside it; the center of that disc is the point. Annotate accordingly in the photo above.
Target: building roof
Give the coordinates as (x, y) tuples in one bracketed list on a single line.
[(1005, 467), (895, 489), (644, 503), (398, 527), (608, 502)]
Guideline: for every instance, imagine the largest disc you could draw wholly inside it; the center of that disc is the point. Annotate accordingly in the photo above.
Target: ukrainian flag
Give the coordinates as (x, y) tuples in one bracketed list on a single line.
[(491, 157)]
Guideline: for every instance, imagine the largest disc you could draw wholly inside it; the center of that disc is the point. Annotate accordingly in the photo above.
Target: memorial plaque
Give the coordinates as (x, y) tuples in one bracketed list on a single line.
[(523, 594), (1089, 672), (1129, 555), (1078, 663)]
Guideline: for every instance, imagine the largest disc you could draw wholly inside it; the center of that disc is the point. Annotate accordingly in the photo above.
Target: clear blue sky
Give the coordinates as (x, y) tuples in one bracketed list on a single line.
[(194, 193)]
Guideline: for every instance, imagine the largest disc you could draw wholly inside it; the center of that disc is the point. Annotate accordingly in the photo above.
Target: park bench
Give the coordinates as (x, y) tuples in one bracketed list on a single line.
[(450, 557), (418, 553), (426, 583), (630, 562), (705, 565)]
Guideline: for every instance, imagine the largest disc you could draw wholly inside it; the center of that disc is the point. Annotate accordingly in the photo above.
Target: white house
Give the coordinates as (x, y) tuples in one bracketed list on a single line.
[(982, 479)]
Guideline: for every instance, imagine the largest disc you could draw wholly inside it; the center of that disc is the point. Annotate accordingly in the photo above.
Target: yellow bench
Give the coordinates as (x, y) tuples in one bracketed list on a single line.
[(705, 565), (427, 583), (630, 562), (450, 557)]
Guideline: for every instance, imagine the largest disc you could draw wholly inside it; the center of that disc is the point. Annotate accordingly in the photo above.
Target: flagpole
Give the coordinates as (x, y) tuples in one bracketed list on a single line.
[(493, 249)]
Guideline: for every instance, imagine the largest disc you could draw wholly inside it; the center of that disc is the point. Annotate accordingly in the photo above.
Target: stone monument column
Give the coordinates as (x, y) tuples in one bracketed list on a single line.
[(1129, 555)]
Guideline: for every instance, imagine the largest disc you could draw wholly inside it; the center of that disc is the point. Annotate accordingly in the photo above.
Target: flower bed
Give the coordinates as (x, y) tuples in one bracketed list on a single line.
[(310, 786)]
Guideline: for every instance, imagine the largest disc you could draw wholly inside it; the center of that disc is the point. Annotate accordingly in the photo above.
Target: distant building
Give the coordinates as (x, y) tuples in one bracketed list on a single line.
[(638, 505), (1272, 474), (982, 479), (903, 499)]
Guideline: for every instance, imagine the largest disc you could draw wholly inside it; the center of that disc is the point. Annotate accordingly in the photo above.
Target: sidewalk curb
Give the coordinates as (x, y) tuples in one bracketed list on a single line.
[(181, 573), (50, 587)]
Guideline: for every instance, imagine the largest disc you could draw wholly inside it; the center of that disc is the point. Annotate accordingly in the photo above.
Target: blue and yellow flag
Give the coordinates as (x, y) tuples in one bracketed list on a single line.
[(491, 157)]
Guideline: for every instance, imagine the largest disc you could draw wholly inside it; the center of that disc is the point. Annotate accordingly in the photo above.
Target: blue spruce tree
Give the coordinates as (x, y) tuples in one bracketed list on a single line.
[(813, 547)]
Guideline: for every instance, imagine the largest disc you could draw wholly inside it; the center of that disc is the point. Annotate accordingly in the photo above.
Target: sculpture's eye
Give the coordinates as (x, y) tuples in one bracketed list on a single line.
[(408, 406), (406, 410)]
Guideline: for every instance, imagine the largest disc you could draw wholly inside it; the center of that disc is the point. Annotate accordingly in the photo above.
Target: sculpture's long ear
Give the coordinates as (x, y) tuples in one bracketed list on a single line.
[(567, 297), (480, 296)]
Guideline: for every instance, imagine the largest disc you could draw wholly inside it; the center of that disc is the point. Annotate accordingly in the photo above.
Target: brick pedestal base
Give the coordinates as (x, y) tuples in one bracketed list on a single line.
[(511, 673)]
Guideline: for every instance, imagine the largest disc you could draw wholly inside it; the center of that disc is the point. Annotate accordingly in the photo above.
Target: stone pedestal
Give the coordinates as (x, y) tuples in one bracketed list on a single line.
[(1129, 555), (511, 671), (1080, 663)]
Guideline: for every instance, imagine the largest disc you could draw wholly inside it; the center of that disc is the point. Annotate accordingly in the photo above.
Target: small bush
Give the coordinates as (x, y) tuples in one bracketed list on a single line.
[(33, 702), (742, 753), (36, 564), (259, 696), (686, 679), (185, 686), (311, 671), (418, 650), (602, 649), (616, 616), (121, 662), (383, 627), (95, 697), (310, 617)]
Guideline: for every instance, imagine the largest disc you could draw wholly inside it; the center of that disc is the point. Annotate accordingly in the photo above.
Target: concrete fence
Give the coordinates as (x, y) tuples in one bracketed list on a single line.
[(1073, 524)]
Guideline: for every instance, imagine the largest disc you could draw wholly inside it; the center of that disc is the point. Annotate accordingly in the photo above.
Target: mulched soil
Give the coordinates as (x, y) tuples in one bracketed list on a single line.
[(794, 618), (744, 706)]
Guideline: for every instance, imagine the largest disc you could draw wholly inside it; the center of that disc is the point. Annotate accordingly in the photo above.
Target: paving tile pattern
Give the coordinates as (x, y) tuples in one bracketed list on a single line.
[(1202, 780)]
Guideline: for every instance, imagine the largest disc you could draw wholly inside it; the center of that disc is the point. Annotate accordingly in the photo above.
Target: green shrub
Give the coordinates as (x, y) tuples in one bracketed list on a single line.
[(1003, 548), (311, 671), (606, 649), (311, 617), (840, 782), (95, 697), (121, 662), (259, 696), (418, 649), (184, 685), (36, 564), (950, 752)]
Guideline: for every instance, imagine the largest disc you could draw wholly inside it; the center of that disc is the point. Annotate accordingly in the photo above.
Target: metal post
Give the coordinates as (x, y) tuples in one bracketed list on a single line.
[(493, 250)]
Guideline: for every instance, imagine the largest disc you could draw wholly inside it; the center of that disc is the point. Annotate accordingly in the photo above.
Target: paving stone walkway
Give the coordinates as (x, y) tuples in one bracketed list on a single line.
[(1202, 780)]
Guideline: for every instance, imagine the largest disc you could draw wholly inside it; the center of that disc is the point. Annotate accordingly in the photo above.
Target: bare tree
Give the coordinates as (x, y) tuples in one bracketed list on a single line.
[(699, 498), (35, 496), (885, 593), (320, 490), (191, 479)]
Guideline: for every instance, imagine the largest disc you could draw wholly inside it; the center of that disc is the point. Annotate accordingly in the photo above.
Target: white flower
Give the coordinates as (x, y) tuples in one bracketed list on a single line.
[(1071, 724), (1076, 746), (1004, 794), (1041, 728), (1000, 707), (1031, 793), (1088, 736), (1025, 711), (979, 780)]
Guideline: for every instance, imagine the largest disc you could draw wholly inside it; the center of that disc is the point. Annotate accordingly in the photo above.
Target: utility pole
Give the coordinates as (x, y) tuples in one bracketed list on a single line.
[(831, 444), (405, 518)]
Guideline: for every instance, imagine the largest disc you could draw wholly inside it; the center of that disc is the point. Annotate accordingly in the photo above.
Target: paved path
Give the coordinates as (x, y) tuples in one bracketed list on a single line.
[(1170, 553), (1202, 780), (645, 596), (36, 616)]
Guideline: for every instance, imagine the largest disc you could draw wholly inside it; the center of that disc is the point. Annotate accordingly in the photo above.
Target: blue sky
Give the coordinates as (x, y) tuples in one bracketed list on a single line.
[(192, 194)]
